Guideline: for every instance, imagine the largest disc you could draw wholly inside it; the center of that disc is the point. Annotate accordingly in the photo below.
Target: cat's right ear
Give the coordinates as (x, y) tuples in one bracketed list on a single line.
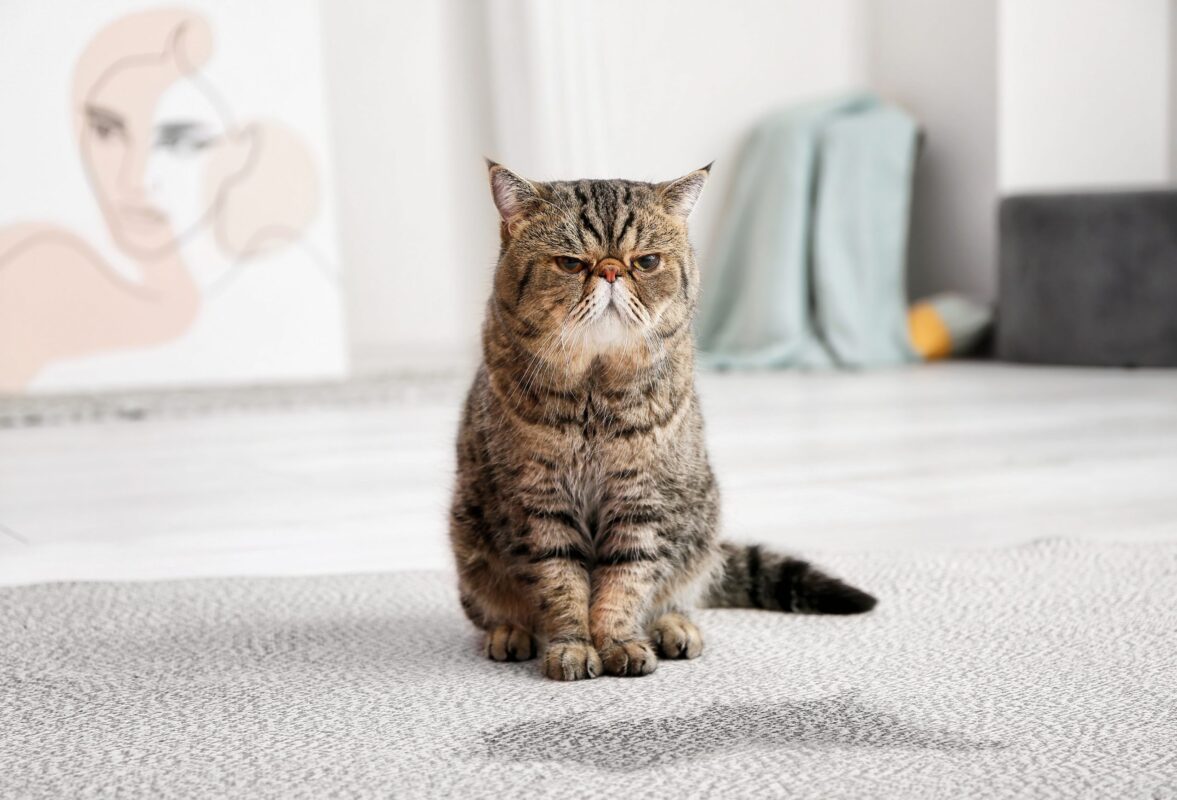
[(514, 196)]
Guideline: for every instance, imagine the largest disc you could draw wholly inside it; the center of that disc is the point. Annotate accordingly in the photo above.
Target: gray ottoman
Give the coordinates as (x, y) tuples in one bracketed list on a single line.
[(1089, 279)]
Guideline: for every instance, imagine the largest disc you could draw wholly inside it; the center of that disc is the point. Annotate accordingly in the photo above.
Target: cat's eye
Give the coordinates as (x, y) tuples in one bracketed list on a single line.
[(647, 262), (570, 264)]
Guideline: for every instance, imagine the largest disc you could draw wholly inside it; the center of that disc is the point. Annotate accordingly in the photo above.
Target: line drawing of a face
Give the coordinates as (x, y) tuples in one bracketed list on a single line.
[(159, 146), (165, 161)]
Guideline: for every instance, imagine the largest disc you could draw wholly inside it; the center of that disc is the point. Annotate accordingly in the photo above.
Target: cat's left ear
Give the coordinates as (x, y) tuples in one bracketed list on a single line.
[(679, 196)]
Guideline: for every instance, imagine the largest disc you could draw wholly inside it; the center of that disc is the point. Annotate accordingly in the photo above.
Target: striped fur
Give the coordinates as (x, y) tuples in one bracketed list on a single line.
[(753, 578), (585, 512)]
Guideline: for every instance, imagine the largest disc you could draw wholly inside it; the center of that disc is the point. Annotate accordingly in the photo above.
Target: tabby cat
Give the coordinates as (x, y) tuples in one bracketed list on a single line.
[(585, 515)]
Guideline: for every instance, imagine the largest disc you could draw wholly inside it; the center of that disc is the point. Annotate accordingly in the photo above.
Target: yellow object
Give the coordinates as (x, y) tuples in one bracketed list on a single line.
[(929, 333)]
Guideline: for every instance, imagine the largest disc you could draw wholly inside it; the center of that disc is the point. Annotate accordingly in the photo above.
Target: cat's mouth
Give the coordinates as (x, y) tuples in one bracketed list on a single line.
[(610, 315)]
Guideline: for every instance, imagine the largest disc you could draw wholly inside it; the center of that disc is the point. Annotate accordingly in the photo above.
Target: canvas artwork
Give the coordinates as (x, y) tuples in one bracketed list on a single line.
[(163, 197)]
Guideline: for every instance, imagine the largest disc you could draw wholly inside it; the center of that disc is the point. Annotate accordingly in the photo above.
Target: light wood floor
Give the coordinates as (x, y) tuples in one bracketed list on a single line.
[(962, 455)]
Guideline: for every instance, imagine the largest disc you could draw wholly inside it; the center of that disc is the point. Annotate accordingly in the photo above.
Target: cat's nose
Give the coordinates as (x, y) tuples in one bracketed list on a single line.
[(608, 268)]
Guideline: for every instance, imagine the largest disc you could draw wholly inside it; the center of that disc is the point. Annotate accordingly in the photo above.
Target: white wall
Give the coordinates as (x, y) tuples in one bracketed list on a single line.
[(1173, 91), (937, 60), (614, 88), (1085, 93), (408, 143)]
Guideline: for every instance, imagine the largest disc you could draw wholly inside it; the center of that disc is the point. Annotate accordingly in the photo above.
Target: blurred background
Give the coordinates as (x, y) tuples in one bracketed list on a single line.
[(1011, 97), (244, 253)]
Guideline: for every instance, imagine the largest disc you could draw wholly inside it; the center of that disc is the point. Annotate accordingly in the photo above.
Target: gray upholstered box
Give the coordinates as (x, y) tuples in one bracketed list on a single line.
[(1089, 279)]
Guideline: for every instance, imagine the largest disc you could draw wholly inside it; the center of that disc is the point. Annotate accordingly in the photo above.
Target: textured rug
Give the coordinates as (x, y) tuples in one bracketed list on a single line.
[(1048, 670)]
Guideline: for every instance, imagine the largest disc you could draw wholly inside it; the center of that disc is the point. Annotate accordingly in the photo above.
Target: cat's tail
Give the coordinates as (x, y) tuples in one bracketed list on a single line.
[(755, 578)]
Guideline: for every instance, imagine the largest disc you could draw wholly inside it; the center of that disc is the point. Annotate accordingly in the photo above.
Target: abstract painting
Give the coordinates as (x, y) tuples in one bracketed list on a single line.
[(164, 179)]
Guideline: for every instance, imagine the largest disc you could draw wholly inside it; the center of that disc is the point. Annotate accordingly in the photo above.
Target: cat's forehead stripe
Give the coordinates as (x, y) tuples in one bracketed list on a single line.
[(606, 212)]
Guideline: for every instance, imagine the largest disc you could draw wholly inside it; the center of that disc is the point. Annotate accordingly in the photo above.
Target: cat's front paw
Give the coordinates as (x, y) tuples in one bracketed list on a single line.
[(571, 661), (676, 636), (628, 657)]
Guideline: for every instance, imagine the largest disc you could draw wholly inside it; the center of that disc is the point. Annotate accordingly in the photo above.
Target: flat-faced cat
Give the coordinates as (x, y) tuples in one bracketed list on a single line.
[(585, 515)]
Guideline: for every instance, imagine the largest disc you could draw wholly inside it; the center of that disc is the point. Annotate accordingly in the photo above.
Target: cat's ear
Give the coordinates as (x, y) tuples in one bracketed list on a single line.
[(679, 196), (514, 196)]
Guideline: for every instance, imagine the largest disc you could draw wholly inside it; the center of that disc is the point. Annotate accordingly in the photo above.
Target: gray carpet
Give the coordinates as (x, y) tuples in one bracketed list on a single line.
[(1048, 670)]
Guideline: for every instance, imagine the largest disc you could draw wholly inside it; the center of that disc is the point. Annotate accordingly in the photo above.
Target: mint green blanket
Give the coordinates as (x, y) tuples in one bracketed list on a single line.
[(809, 266)]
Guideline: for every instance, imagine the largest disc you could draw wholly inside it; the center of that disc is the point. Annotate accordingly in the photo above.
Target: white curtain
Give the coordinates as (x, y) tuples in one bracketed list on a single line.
[(550, 68)]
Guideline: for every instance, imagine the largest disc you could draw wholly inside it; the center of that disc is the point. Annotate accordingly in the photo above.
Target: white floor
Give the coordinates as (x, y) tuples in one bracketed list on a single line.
[(962, 455)]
